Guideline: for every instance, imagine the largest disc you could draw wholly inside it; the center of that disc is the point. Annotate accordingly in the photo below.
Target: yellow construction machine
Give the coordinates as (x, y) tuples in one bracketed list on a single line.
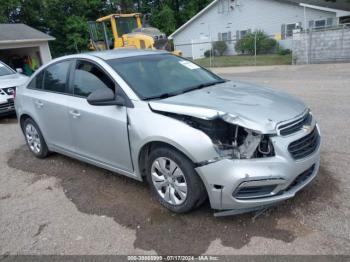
[(126, 30)]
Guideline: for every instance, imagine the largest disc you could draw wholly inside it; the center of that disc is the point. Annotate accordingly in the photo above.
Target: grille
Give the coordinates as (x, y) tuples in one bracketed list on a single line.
[(7, 106), (301, 178), (304, 146), (9, 90), (296, 125), (254, 192)]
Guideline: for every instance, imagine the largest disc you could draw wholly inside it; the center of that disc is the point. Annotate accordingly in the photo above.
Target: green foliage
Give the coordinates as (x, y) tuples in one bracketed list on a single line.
[(7, 10), (164, 19), (76, 33), (207, 53), (282, 51), (220, 47), (264, 44)]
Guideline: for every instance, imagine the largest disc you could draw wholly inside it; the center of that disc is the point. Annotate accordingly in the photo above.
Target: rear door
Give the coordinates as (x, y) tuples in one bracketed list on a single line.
[(100, 133), (51, 105)]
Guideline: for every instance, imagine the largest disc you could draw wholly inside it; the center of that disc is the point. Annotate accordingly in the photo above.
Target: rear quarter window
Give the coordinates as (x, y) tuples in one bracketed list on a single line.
[(37, 81), (55, 77)]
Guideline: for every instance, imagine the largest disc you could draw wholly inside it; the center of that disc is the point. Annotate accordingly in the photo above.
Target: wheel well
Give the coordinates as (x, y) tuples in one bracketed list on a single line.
[(23, 118), (145, 151)]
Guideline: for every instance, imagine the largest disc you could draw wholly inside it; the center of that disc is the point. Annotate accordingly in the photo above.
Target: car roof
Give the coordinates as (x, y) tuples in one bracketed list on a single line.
[(124, 52)]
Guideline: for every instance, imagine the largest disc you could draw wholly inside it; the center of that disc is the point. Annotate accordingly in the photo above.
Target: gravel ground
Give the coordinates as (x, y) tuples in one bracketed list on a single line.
[(62, 206)]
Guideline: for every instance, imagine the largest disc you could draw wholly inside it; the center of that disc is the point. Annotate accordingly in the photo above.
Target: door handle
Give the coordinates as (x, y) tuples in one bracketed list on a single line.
[(74, 113), (39, 104)]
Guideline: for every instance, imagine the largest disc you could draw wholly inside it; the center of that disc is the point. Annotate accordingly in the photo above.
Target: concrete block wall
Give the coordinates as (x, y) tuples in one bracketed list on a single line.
[(322, 46)]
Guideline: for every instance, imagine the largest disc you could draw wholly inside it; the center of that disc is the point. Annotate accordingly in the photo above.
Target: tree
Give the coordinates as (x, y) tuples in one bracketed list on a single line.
[(164, 19), (220, 47)]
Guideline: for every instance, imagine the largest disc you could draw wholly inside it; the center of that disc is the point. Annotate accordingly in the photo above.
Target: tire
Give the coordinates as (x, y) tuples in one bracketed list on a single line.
[(167, 182), (34, 139)]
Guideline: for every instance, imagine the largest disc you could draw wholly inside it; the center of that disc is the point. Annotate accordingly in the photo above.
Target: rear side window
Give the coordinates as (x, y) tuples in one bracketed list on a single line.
[(88, 77), (55, 77), (37, 81)]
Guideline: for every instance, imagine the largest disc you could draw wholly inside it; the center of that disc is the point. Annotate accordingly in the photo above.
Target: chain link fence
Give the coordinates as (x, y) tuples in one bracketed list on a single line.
[(204, 52)]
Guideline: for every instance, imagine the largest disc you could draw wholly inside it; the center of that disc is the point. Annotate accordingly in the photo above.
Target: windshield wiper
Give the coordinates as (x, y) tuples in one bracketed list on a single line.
[(200, 86), (189, 89), (162, 96)]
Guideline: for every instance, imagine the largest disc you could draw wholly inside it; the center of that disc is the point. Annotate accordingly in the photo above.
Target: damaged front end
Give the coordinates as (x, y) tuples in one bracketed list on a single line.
[(231, 141)]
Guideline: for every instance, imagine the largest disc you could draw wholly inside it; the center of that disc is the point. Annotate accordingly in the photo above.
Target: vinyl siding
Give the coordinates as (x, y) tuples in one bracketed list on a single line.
[(267, 15)]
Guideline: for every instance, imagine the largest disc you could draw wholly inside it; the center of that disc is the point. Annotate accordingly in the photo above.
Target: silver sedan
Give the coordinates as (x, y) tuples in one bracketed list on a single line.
[(154, 116)]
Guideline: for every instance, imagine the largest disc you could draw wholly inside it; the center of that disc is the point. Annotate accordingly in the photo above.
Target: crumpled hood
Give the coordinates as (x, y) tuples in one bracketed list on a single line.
[(248, 105), (12, 80)]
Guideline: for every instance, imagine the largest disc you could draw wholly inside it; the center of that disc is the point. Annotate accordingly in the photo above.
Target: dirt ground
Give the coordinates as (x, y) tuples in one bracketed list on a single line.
[(63, 206)]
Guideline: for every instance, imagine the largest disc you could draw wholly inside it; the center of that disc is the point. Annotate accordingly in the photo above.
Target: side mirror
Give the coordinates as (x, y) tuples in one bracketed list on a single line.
[(19, 70), (105, 97)]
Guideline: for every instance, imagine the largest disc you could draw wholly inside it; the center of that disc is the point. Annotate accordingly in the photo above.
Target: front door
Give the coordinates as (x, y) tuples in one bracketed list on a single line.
[(99, 132)]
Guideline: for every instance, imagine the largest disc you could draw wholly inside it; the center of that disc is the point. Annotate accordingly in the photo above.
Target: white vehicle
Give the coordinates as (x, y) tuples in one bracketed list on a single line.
[(9, 80)]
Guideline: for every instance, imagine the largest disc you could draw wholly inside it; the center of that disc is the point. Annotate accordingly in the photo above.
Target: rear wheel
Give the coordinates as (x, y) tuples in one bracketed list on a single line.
[(34, 138), (174, 181)]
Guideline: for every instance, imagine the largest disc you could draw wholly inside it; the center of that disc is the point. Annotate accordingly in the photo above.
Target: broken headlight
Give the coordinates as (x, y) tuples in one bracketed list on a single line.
[(244, 144), (232, 141)]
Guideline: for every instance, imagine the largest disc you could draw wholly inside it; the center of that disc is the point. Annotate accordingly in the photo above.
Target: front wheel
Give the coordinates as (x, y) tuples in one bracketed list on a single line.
[(174, 181)]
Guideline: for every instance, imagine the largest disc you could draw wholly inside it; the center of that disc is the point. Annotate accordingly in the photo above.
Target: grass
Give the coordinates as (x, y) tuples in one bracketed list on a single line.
[(245, 60)]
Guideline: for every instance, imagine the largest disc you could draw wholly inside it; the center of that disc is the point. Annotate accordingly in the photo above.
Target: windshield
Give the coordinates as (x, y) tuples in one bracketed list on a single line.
[(5, 70), (162, 75)]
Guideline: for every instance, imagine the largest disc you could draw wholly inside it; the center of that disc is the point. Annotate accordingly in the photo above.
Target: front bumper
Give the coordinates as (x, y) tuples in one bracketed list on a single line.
[(7, 107), (223, 178)]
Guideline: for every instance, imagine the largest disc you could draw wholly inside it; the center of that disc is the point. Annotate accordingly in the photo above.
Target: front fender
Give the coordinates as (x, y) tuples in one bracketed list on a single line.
[(146, 126)]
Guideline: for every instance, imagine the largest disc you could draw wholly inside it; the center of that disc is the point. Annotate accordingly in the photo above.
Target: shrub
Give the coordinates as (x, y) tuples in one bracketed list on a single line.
[(219, 47), (264, 44), (207, 53), (282, 51)]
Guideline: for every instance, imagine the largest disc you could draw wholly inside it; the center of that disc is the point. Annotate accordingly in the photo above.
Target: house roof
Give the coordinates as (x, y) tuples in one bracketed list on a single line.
[(10, 33), (331, 6), (339, 4)]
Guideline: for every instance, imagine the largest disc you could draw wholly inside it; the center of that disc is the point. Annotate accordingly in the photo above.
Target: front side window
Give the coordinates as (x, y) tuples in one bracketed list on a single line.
[(161, 75), (55, 77), (5, 70), (88, 77)]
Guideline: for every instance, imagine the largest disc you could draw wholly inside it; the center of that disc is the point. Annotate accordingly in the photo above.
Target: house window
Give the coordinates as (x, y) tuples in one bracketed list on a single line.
[(289, 29), (226, 36), (243, 33), (320, 23)]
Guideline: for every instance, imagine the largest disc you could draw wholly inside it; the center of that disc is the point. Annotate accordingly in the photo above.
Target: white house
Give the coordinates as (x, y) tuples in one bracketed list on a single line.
[(230, 20)]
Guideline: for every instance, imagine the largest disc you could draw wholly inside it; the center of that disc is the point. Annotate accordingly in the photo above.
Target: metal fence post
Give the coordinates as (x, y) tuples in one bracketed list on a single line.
[(255, 48), (310, 48)]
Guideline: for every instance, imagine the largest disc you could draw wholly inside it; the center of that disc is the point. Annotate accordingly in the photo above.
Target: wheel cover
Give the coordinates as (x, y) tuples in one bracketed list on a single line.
[(33, 138), (169, 181)]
